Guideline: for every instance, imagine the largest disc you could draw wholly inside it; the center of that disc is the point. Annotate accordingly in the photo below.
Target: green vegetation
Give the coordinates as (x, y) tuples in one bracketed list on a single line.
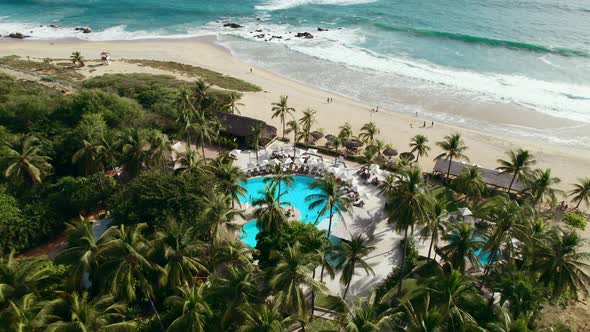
[(170, 260), (212, 77), (575, 220), (61, 73)]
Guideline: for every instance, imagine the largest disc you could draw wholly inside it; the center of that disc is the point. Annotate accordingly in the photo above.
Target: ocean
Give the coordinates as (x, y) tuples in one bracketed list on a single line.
[(533, 53)]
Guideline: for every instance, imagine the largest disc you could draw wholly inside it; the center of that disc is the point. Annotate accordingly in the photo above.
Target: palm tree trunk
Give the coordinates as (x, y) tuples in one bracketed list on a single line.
[(157, 313), (512, 182), (312, 298), (346, 290), (283, 120), (203, 150), (578, 205), (328, 235), (401, 272), (449, 169), (431, 244)]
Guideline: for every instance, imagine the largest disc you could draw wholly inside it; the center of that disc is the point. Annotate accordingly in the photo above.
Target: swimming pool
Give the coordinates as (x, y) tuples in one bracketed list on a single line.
[(295, 195)]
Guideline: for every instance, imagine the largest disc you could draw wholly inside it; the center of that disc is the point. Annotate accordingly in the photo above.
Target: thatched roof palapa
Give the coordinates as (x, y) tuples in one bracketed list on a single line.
[(407, 155), (241, 126), (390, 152), (490, 176)]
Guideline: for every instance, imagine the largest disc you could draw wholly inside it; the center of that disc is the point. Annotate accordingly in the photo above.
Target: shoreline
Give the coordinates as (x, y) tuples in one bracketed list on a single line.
[(566, 162)]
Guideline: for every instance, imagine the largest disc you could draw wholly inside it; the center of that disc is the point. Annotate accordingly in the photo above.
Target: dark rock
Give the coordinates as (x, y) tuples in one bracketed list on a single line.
[(322, 29), (18, 35), (54, 26), (305, 35), (259, 30), (84, 30), (276, 37), (260, 35), (232, 25)]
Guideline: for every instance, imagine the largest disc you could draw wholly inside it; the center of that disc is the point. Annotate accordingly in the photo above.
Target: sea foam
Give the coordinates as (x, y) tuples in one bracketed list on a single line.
[(286, 4)]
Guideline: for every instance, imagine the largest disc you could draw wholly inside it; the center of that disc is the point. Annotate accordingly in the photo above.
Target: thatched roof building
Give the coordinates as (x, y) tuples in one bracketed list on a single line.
[(491, 177), (240, 126)]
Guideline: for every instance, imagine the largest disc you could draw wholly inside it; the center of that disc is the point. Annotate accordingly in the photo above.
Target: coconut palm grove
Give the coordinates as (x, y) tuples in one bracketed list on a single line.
[(106, 225)]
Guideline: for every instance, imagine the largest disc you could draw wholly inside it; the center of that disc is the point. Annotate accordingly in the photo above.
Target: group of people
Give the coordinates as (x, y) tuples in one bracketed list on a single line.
[(423, 125), (330, 100)]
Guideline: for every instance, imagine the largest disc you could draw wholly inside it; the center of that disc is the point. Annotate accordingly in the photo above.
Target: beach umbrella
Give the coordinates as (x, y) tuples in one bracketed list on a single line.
[(366, 196), (353, 143), (390, 152), (330, 137), (288, 161), (312, 151), (275, 162), (407, 155), (355, 188), (317, 135)]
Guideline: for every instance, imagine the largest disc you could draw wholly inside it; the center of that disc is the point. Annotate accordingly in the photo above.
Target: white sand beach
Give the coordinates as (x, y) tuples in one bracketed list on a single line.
[(566, 162)]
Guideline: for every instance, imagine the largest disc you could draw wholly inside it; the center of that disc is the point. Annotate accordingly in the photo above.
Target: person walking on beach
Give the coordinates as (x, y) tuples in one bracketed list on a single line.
[(250, 70), (432, 124), (424, 125)]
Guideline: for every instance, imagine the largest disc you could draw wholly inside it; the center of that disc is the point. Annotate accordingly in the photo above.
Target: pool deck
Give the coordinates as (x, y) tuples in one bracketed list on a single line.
[(369, 220)]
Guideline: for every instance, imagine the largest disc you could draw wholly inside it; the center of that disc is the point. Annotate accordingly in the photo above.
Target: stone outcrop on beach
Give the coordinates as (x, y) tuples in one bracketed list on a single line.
[(305, 35), (18, 35), (84, 29), (322, 29), (232, 25)]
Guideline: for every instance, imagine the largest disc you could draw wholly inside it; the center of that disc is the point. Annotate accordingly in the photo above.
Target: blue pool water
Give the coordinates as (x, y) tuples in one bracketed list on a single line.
[(295, 195), (249, 232), (484, 256)]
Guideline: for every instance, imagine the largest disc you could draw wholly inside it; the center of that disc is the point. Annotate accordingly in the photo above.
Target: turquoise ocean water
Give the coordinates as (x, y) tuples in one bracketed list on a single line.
[(535, 53)]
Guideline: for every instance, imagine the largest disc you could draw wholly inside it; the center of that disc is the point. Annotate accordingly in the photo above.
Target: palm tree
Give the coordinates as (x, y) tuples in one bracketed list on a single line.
[(453, 148), (337, 143), (133, 146), (518, 165), (435, 225), (462, 244), (264, 318), (279, 177), (330, 199), (454, 291), (77, 58), (189, 162), (369, 132), (91, 132), (419, 146), (201, 93), (269, 213), (406, 206), (540, 186), (231, 178), (233, 253), (369, 156), (561, 264), (220, 215), (307, 121), (124, 257), (233, 103), (581, 192), (289, 276), (519, 292), (184, 103), (509, 220), (430, 319), (350, 256), (236, 288), (195, 309), (78, 313), (470, 182), (256, 136), (293, 127), (24, 159), (81, 254), (160, 149), (180, 252), (281, 110), (345, 132), (22, 276), (365, 316), (23, 315), (107, 152), (203, 130)]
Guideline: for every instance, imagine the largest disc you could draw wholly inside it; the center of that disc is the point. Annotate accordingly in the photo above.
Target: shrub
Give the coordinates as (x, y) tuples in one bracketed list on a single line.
[(16, 232), (575, 220)]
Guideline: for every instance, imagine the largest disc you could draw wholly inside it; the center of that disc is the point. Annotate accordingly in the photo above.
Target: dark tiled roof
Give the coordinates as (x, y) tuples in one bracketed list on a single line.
[(491, 177), (238, 125)]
